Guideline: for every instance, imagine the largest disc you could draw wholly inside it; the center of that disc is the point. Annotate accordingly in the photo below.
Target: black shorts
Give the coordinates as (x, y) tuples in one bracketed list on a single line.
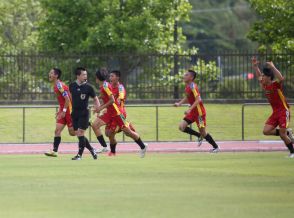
[(80, 119)]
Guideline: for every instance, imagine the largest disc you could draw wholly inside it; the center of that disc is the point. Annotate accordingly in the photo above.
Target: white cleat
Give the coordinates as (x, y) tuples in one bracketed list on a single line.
[(290, 134), (143, 151), (102, 150), (200, 140), (291, 155), (215, 150)]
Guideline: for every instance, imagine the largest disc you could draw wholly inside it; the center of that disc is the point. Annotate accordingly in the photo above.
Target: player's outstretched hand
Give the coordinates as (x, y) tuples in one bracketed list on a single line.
[(254, 61), (177, 104)]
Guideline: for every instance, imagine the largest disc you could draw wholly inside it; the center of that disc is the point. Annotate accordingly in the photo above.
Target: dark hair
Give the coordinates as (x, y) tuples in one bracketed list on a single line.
[(268, 72), (101, 74), (116, 72), (79, 70), (193, 73), (57, 72)]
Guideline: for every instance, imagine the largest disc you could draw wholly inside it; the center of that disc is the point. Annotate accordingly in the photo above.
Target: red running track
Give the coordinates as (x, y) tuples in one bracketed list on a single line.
[(226, 146)]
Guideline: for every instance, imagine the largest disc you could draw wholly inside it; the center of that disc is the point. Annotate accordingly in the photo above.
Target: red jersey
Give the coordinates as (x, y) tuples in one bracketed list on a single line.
[(105, 93), (192, 93), (275, 96), (119, 93), (61, 90)]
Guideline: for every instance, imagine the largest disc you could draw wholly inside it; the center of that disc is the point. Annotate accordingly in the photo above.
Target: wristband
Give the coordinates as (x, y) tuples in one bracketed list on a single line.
[(64, 110)]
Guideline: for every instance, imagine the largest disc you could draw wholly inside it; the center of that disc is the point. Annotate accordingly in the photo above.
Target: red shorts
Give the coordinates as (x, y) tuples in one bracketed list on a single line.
[(114, 123), (65, 120), (279, 118), (195, 117)]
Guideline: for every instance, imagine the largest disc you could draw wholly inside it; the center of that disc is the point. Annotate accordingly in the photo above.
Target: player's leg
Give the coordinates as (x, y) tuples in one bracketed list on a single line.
[(96, 127), (112, 142), (270, 129), (136, 137), (284, 120), (57, 139), (209, 139), (184, 125), (288, 142)]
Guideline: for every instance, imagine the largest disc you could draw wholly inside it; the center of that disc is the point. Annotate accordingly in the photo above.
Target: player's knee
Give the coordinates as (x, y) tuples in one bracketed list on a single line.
[(72, 133), (182, 127), (265, 132)]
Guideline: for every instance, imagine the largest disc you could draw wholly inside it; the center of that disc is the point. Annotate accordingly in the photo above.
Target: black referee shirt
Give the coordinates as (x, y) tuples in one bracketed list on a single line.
[(80, 94)]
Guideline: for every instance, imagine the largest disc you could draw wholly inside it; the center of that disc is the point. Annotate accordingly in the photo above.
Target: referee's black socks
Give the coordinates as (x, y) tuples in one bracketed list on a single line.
[(102, 141), (210, 140), (57, 140), (88, 146), (82, 144), (191, 132)]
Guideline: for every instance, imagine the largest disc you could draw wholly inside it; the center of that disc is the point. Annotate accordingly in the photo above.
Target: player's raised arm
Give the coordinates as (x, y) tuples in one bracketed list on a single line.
[(183, 101), (255, 63), (276, 72)]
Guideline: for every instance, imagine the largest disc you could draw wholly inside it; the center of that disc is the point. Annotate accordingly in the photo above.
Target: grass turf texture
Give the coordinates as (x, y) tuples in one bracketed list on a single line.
[(224, 123), (161, 185)]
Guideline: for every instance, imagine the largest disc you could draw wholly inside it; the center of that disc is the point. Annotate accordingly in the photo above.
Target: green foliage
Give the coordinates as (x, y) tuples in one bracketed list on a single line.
[(18, 22), (274, 30), (219, 25), (117, 25)]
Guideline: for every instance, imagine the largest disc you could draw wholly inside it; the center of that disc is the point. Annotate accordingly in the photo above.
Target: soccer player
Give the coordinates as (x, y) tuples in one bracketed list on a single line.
[(114, 114), (63, 117), (196, 112), (81, 90), (271, 82)]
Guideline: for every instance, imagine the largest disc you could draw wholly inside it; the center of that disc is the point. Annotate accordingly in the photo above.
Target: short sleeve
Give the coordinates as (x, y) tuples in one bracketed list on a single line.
[(194, 90), (92, 92), (107, 89), (121, 90), (60, 88)]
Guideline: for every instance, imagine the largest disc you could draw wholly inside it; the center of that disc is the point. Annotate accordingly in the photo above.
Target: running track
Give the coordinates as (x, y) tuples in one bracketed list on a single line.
[(226, 146)]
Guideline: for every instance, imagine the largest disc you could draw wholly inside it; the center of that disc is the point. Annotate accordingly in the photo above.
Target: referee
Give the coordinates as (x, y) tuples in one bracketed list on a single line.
[(81, 90)]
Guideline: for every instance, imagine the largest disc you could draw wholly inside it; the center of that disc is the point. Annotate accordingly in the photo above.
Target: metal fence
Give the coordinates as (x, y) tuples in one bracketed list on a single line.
[(222, 75), (35, 124)]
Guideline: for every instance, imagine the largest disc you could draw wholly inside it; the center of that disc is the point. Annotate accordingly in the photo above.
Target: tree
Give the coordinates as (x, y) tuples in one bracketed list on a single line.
[(274, 28), (116, 25), (18, 25)]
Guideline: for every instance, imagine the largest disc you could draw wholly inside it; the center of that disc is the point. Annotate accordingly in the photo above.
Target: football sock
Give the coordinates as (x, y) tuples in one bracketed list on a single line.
[(113, 148), (57, 140), (140, 143), (192, 132), (82, 143), (102, 141), (211, 141), (88, 146), (278, 132), (290, 147)]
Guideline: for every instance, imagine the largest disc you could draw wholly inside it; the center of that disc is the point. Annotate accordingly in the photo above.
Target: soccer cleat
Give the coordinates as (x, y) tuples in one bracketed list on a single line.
[(102, 150), (94, 155), (111, 154), (291, 155), (51, 154), (143, 151), (77, 157), (291, 134), (200, 140), (215, 150)]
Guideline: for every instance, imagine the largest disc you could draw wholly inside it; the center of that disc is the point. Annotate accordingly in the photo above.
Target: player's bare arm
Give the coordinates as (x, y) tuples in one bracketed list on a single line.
[(276, 72), (66, 104), (183, 101), (103, 106), (255, 63)]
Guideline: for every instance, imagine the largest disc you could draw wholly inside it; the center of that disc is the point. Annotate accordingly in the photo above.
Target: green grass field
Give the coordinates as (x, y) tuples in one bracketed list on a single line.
[(161, 185), (224, 123)]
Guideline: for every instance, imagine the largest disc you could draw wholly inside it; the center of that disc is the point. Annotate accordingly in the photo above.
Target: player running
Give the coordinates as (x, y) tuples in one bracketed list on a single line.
[(281, 110), (63, 117), (196, 112), (114, 115), (81, 90)]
